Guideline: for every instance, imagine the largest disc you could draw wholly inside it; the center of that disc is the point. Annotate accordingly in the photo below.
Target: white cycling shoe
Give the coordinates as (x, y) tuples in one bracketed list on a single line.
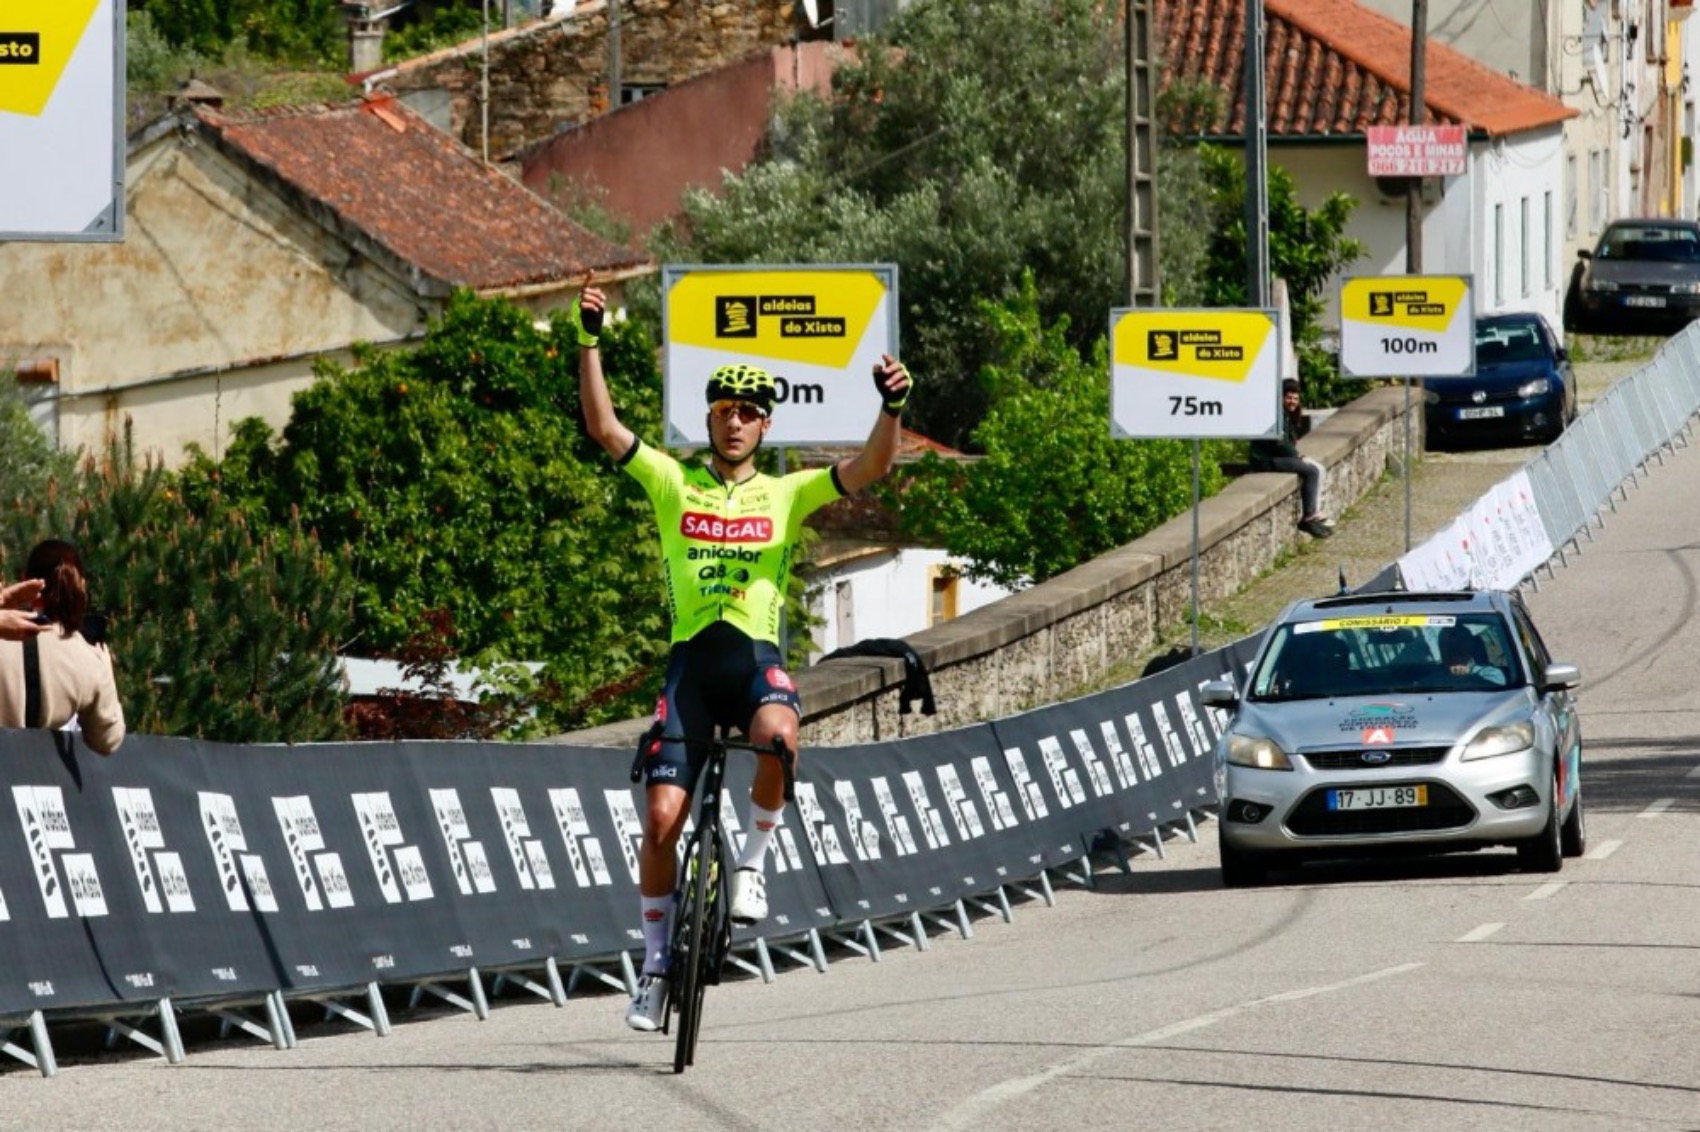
[(749, 896), (648, 1007)]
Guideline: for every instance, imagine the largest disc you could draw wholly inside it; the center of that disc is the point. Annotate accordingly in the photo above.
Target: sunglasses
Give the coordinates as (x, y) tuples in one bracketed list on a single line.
[(743, 412)]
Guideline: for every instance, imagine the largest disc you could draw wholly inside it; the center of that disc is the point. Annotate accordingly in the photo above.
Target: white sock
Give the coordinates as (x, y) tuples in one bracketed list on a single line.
[(657, 933), (763, 823)]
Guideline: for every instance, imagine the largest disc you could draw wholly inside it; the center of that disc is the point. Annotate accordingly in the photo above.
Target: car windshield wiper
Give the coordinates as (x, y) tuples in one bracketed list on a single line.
[(1288, 697)]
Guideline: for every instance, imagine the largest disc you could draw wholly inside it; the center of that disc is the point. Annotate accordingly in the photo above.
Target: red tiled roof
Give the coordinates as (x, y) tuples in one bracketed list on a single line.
[(389, 176), (1335, 67)]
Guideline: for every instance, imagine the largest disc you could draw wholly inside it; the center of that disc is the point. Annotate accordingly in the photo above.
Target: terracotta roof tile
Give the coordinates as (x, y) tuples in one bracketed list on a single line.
[(387, 174), (1335, 67)]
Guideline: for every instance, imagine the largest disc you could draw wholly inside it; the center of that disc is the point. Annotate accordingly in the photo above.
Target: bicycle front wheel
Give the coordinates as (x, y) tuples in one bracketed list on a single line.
[(693, 943)]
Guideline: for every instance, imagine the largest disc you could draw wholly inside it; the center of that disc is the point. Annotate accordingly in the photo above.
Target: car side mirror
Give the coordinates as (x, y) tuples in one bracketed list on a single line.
[(1561, 676), (1584, 253), (1219, 694), (1561, 354)]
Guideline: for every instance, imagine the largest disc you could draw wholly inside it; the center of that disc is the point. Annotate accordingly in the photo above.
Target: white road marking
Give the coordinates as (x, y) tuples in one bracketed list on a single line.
[(972, 1111), (1550, 888), (1477, 934), (1657, 808), (1695, 773), (1603, 850)]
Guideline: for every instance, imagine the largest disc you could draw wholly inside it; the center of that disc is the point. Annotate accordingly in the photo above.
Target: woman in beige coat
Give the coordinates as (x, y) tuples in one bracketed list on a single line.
[(75, 676)]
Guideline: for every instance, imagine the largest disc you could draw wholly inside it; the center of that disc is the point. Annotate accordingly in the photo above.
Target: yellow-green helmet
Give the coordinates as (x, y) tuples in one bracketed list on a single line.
[(743, 383)]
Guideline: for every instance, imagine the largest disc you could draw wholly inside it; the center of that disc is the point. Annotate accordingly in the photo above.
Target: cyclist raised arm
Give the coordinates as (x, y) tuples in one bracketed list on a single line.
[(728, 535)]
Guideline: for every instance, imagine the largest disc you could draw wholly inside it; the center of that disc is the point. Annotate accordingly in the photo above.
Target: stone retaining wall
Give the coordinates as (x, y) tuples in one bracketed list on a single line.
[(1055, 637)]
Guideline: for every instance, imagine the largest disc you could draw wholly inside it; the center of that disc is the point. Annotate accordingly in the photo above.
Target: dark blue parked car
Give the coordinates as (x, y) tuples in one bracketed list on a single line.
[(1523, 391)]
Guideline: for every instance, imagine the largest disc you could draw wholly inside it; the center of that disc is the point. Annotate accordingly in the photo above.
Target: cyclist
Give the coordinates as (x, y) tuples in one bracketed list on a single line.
[(728, 534)]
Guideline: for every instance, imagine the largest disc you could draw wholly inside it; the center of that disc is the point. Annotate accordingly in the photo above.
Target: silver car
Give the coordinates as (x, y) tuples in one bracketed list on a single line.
[(1399, 722)]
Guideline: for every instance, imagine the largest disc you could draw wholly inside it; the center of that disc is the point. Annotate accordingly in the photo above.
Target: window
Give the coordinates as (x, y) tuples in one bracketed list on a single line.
[(943, 607), (1499, 255), (1549, 247), (1571, 201), (1596, 190), (844, 613), (1523, 271)]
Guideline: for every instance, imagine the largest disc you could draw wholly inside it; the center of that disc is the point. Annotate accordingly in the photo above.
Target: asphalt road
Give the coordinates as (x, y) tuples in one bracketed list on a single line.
[(1450, 994)]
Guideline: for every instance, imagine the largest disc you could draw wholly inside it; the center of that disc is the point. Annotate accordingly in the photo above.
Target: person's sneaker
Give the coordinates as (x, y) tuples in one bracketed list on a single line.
[(648, 1008), (749, 896), (1316, 528)]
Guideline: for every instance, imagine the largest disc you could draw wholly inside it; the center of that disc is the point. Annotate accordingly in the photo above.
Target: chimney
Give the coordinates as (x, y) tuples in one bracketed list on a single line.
[(365, 44), (194, 92)]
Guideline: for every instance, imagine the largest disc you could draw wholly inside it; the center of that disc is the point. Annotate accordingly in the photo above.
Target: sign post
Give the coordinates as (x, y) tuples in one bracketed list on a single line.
[(1195, 374), (1407, 326)]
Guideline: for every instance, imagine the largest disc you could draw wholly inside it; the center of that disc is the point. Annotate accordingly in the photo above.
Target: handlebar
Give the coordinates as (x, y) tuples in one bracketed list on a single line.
[(724, 742)]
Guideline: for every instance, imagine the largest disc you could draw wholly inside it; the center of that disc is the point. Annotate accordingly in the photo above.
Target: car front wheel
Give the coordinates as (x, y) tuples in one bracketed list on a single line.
[(1241, 868), (1544, 853), (1573, 836)]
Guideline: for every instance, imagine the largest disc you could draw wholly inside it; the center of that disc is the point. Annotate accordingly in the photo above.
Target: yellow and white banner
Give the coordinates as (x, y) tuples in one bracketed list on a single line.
[(61, 119), (1196, 374), (1407, 326), (819, 330)]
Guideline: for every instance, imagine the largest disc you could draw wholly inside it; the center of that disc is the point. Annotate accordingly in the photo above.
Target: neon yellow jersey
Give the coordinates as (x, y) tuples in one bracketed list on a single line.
[(727, 546)]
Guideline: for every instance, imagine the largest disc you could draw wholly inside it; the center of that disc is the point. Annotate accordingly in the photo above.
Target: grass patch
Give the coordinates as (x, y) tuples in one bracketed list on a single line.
[(1612, 348)]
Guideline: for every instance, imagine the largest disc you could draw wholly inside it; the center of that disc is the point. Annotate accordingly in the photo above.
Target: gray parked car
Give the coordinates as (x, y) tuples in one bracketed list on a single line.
[(1399, 722), (1643, 277)]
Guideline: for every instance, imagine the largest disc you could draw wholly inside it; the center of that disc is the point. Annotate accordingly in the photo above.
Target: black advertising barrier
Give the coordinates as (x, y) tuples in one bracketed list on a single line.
[(206, 872), (904, 827)]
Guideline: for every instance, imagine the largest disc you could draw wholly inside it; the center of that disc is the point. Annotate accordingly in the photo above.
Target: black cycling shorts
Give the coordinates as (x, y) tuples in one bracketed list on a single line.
[(718, 678)]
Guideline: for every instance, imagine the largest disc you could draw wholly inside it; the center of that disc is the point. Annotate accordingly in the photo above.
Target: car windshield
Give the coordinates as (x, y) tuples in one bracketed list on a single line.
[(1509, 342), (1662, 245), (1388, 653)]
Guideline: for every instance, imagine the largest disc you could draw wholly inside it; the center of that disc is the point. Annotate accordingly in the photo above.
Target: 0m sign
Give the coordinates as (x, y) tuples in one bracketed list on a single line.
[(1194, 374), (819, 330), (61, 119)]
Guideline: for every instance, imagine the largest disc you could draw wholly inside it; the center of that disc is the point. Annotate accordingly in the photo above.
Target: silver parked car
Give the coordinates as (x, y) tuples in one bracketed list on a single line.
[(1399, 722)]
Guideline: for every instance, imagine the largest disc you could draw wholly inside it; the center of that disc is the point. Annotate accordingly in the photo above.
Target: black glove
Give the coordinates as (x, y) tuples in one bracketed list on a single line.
[(588, 322), (894, 398)]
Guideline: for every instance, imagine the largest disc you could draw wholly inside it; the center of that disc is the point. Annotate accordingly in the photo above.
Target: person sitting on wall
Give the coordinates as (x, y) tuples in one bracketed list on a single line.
[(1281, 454)]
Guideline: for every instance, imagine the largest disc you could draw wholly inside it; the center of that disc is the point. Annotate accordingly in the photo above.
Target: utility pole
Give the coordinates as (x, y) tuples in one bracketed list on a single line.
[(1419, 115), (1256, 161), (613, 54), (1414, 213), (484, 90), (1143, 286)]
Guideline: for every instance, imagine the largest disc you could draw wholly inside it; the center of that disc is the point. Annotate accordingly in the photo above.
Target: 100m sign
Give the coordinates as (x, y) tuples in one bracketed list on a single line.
[(1409, 346)]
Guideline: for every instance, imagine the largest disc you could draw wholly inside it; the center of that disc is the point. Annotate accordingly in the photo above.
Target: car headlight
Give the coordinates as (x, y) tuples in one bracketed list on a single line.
[(1256, 751), (1601, 285), (1686, 288), (1534, 388), (1494, 741), (1431, 397)]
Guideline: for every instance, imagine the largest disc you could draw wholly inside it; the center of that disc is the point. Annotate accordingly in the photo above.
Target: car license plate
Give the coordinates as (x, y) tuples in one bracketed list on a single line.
[(1378, 798), (1643, 300), (1481, 413)]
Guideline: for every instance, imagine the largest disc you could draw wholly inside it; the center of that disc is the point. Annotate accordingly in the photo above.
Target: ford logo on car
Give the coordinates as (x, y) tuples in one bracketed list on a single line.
[(1376, 758)]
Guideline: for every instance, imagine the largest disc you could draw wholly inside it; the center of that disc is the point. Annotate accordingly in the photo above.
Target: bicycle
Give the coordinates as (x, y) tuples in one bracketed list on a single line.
[(702, 922)]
